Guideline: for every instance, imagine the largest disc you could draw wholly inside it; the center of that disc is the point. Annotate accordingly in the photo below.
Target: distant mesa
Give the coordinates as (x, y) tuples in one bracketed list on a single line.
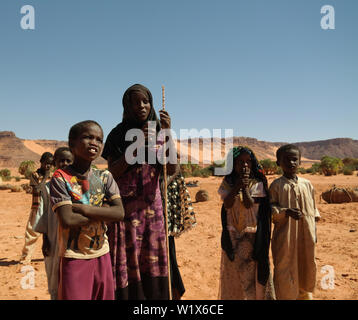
[(7, 134), (14, 150)]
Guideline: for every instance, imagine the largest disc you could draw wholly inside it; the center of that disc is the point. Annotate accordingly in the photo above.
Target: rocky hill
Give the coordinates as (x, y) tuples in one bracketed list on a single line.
[(339, 147), (14, 150)]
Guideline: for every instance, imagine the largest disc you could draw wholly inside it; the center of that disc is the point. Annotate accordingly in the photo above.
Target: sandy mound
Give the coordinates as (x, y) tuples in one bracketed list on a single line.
[(34, 147)]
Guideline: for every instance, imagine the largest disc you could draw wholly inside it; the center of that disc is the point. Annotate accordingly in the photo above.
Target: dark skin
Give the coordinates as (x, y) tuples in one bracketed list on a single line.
[(85, 149), (140, 108), (45, 170), (64, 159), (290, 161), (242, 167)]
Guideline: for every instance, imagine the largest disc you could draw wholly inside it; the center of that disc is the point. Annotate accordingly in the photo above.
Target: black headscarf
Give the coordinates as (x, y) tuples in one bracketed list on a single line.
[(263, 232), (116, 145)]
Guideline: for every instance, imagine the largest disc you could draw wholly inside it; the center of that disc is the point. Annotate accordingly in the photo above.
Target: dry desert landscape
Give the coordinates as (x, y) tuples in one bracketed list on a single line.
[(198, 251)]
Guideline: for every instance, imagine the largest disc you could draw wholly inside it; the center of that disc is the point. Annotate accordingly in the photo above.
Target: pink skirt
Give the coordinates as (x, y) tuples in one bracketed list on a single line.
[(86, 279)]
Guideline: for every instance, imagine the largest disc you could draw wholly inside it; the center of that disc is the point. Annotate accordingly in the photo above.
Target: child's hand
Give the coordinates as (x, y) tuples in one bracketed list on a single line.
[(79, 208), (294, 213), (165, 121), (238, 184), (245, 176)]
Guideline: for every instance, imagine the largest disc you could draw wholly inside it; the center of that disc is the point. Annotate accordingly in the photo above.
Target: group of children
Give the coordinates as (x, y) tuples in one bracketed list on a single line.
[(71, 216), (104, 231), (248, 208)]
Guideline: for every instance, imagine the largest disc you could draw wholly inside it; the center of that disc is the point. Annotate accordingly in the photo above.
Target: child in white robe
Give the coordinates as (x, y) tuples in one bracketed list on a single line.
[(294, 215)]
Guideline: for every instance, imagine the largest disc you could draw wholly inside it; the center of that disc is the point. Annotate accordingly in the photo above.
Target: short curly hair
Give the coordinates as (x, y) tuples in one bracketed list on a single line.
[(286, 147), (46, 156), (77, 128), (61, 150)]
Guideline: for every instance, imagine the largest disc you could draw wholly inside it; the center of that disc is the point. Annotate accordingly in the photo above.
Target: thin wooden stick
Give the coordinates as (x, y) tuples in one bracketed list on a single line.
[(166, 205)]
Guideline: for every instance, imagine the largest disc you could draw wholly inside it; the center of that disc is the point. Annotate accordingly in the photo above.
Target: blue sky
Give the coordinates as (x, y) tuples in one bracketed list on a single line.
[(263, 68)]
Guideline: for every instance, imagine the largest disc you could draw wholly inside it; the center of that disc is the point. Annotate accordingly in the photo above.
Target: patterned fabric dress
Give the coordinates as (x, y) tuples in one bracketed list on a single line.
[(138, 244), (238, 278), (246, 230), (181, 216)]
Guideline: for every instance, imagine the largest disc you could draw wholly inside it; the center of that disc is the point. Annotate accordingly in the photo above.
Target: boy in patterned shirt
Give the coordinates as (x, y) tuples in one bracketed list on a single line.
[(77, 194)]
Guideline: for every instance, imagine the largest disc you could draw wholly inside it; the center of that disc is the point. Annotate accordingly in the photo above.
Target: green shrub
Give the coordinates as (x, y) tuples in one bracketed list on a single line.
[(211, 169), (187, 169), (5, 174), (28, 172), (269, 166), (196, 173), (185, 174), (206, 172), (301, 170), (26, 168), (315, 168), (351, 162), (194, 170), (348, 170), (330, 165)]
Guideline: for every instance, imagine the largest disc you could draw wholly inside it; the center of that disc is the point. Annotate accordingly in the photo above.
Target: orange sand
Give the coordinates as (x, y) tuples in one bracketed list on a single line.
[(198, 251)]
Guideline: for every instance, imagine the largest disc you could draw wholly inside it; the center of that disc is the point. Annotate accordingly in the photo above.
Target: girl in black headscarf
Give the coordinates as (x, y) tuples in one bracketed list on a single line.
[(246, 228), (138, 244)]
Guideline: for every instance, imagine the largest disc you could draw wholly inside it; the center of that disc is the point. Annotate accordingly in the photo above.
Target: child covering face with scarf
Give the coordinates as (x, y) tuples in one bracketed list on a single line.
[(246, 223)]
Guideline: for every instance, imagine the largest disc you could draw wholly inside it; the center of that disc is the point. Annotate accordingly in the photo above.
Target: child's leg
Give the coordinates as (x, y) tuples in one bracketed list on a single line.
[(52, 272), (30, 239), (76, 279), (247, 266), (260, 289), (304, 295), (103, 287)]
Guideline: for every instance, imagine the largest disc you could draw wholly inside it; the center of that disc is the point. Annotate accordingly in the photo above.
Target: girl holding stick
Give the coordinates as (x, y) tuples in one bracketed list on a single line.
[(138, 244)]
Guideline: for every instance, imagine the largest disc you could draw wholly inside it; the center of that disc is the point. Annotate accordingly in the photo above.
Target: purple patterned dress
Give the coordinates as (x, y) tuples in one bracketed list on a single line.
[(138, 244)]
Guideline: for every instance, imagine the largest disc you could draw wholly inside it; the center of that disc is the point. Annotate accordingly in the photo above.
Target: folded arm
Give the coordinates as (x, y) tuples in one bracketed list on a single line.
[(69, 218), (114, 212)]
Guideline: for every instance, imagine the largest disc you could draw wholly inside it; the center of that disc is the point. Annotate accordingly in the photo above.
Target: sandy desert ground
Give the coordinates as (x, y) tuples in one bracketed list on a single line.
[(198, 251)]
